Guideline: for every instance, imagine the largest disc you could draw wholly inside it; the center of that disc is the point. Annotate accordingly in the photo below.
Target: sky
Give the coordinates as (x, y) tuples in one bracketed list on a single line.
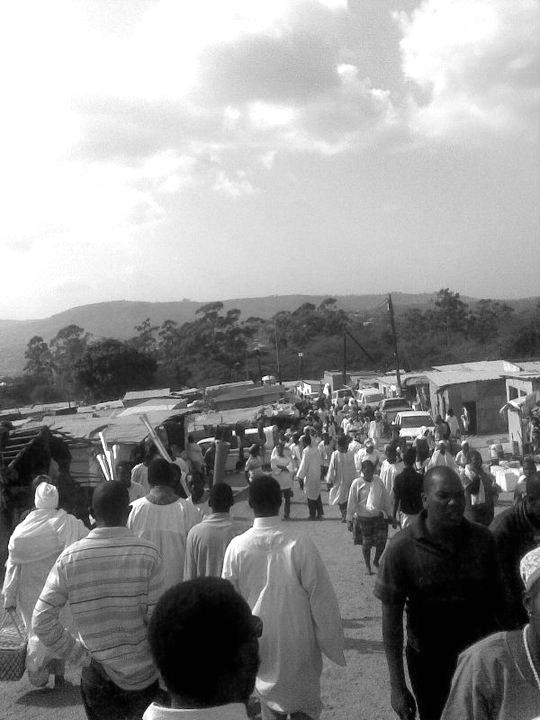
[(166, 149)]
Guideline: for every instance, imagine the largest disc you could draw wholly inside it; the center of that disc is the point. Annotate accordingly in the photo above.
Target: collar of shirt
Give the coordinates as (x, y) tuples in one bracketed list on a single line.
[(232, 711), (99, 533), (262, 523), (217, 517)]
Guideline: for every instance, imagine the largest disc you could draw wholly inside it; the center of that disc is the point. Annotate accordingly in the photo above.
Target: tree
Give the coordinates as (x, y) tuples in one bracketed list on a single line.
[(109, 368), (38, 360), (145, 341), (486, 319), (67, 347)]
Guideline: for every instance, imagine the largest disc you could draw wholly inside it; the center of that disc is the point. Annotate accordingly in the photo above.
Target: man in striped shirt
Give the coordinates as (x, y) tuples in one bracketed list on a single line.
[(112, 581)]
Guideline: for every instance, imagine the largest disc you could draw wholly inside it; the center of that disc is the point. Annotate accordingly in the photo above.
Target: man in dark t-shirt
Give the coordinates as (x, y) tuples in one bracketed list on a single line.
[(442, 570), (408, 486)]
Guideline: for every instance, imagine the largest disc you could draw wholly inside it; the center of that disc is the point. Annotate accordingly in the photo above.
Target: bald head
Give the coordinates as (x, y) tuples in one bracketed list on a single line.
[(440, 473)]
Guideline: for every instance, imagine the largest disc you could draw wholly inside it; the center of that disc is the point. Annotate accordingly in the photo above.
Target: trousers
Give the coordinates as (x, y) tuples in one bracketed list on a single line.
[(104, 700), (315, 508), (431, 677)]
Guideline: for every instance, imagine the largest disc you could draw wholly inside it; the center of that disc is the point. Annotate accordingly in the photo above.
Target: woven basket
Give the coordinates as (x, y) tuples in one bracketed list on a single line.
[(13, 643)]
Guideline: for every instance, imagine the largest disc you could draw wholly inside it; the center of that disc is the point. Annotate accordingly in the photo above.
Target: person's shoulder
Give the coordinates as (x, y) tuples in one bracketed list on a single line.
[(139, 502), (487, 651), (401, 542), (503, 521)]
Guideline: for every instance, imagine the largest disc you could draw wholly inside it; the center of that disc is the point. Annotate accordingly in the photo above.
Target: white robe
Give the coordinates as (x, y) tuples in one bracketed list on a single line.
[(388, 473), (445, 459), (283, 579), (310, 472), (33, 548), (341, 473), (167, 527)]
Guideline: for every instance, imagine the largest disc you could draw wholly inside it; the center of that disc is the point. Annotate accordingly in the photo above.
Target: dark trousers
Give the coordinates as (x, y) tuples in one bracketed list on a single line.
[(287, 495), (431, 677), (315, 508), (104, 700)]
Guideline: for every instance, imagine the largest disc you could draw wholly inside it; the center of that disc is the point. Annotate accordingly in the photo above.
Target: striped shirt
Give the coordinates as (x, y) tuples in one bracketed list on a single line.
[(112, 581)]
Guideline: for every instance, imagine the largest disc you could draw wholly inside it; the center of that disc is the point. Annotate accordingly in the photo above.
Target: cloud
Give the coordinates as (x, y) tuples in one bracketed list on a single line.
[(474, 65)]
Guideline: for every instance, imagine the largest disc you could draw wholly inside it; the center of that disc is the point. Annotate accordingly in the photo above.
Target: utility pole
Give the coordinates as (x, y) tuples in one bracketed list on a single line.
[(344, 358), (394, 335), (300, 365), (278, 366)]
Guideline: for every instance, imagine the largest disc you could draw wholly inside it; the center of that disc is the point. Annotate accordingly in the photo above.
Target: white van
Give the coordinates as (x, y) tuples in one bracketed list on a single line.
[(369, 396), (341, 396)]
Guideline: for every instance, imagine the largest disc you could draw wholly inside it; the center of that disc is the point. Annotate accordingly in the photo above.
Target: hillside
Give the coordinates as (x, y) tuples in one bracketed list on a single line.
[(117, 319)]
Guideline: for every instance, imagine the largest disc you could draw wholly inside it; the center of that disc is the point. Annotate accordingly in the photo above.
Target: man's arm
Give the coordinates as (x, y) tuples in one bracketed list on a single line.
[(467, 699), (155, 586), (46, 623), (392, 631), (10, 589)]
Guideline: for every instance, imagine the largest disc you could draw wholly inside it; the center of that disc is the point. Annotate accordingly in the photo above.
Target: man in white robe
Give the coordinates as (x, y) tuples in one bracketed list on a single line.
[(207, 541), (390, 468), (165, 520), (442, 457), (283, 579), (309, 473)]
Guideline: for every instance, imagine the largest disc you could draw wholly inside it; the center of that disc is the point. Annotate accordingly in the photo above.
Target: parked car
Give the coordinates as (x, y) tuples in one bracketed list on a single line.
[(409, 423), (389, 407), (369, 396)]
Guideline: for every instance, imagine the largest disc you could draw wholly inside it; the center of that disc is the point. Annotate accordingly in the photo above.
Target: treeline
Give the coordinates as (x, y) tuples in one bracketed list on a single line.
[(218, 346)]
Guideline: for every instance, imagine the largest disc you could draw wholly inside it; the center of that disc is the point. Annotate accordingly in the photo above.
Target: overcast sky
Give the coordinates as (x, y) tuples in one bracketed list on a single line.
[(162, 149)]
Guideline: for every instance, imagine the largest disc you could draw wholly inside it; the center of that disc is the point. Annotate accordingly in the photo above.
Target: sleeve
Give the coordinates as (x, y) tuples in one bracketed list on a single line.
[(10, 590), (302, 470), (322, 599), (468, 695), (273, 463), (331, 474), (230, 566), (352, 501), (155, 586), (45, 620), (391, 583), (190, 565), (388, 507)]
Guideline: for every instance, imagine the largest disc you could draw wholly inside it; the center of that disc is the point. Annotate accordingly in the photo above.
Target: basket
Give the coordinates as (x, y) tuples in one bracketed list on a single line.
[(13, 642)]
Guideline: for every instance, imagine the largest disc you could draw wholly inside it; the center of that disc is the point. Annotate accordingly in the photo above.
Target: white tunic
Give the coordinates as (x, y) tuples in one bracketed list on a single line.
[(310, 472), (167, 527), (341, 473), (283, 579)]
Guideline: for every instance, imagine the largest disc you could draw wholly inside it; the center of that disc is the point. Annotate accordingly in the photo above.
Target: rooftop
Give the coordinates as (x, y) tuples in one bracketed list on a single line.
[(147, 394), (457, 377)]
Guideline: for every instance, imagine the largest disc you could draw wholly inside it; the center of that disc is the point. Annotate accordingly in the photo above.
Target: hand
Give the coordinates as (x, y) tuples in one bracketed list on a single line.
[(403, 704), (349, 526)]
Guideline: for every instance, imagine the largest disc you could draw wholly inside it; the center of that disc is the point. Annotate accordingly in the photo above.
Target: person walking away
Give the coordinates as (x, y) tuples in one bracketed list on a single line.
[(207, 541), (282, 577), (481, 491), (376, 428), (164, 519), (455, 431), (442, 457), (123, 475), (194, 455), (443, 569), (254, 463), (325, 448), (33, 549), (215, 679), (369, 509), (280, 465), (296, 455), (498, 677), (309, 473), (112, 581), (441, 430), (341, 473), (516, 531), (408, 487), (139, 473)]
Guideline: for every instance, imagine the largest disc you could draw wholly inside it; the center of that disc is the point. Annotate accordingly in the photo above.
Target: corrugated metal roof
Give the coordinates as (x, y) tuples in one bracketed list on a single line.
[(155, 405), (455, 377), (500, 366), (147, 394)]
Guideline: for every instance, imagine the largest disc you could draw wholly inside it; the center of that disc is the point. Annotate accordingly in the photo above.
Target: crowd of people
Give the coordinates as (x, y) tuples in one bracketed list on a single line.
[(165, 566)]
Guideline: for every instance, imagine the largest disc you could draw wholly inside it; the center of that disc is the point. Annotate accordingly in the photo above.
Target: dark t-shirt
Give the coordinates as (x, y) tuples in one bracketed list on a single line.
[(408, 490), (452, 597)]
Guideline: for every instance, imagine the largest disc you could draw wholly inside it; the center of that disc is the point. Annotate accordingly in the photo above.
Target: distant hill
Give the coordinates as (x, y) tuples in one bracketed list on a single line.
[(118, 319)]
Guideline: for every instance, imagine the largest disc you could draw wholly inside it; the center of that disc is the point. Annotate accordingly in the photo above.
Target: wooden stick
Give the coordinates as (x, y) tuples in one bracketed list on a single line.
[(161, 449), (107, 455), (103, 466)]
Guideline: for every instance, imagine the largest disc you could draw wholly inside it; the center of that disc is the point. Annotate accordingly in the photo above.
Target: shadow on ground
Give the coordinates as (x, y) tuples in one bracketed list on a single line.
[(64, 696)]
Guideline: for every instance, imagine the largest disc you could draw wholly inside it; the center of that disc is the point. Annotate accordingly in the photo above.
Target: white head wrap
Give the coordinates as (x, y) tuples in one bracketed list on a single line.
[(46, 497), (529, 568)]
